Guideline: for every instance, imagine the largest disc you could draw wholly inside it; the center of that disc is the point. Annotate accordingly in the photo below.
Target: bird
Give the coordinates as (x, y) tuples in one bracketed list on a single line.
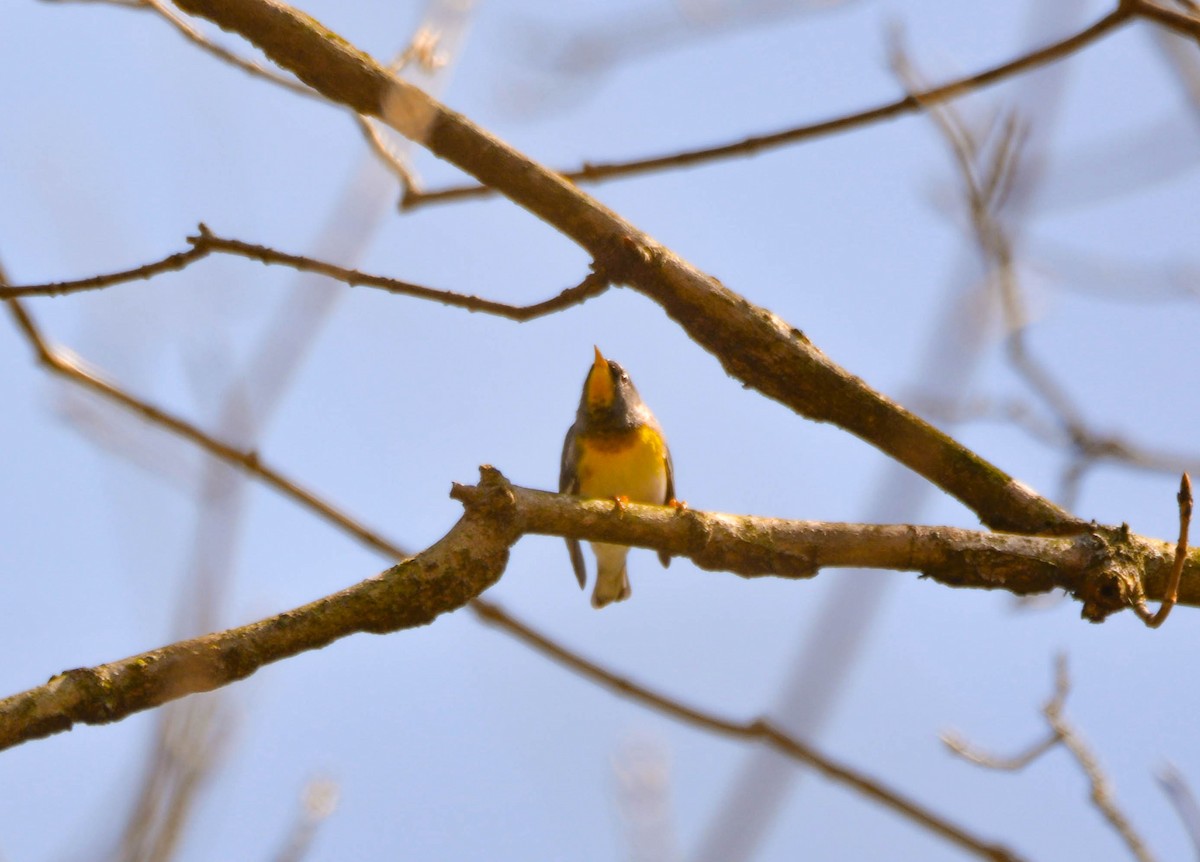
[(615, 450)]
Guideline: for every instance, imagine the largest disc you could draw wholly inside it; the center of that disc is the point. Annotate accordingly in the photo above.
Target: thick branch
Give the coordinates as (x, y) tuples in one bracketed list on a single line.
[(752, 344), (1106, 569), (465, 562)]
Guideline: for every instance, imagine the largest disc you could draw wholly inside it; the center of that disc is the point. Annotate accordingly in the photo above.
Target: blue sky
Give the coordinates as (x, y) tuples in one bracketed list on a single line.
[(453, 741)]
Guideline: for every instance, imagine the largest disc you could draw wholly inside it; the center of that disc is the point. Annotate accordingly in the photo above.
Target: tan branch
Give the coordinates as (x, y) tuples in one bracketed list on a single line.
[(193, 35), (488, 612), (1062, 732), (66, 365), (1105, 569), (170, 263), (1183, 23), (1101, 569), (466, 561), (760, 730), (752, 344), (205, 243), (986, 178), (593, 172), (1171, 595)]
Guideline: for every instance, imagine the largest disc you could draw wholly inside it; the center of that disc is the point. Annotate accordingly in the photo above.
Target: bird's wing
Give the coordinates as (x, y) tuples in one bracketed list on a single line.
[(663, 556), (568, 483)]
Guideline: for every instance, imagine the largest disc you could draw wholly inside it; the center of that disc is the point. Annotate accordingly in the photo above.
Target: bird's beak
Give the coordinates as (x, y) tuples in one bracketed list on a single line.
[(600, 392)]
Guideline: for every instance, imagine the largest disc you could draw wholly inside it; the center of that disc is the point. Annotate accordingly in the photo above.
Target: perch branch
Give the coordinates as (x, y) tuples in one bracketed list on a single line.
[(466, 561), (42, 710)]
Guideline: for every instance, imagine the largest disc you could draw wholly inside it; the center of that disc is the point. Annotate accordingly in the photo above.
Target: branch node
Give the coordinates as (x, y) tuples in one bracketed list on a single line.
[(1114, 582), (493, 496)]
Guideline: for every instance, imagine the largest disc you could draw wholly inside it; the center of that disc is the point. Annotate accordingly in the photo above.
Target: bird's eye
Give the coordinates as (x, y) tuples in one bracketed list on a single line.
[(624, 377)]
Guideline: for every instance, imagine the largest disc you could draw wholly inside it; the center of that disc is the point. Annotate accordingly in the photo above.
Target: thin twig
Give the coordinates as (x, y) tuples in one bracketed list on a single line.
[(392, 160), (986, 183), (1101, 788), (193, 35), (205, 243), (1171, 593), (319, 801), (592, 172), (595, 283), (170, 263), (1011, 763), (759, 730), (1061, 732), (1183, 801), (61, 362), (1094, 447)]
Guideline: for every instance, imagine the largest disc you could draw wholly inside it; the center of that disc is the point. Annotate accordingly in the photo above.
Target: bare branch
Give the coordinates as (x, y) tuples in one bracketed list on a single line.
[(19, 707), (1183, 800), (63, 363), (1011, 763), (1096, 567), (752, 344), (1063, 732), (761, 730), (466, 561), (1184, 497), (205, 243), (985, 181), (190, 739), (170, 263), (1101, 787), (193, 35), (593, 172), (595, 283), (319, 801), (1183, 23), (1106, 569)]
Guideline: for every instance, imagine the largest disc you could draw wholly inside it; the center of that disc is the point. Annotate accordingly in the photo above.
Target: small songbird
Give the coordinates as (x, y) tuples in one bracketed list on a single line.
[(615, 450)]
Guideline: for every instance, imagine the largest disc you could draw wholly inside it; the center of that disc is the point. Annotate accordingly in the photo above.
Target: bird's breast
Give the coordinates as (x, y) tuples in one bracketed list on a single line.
[(631, 464)]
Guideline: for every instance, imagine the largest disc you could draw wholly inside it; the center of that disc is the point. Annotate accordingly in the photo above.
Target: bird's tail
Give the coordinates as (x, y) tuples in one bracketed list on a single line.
[(612, 579)]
